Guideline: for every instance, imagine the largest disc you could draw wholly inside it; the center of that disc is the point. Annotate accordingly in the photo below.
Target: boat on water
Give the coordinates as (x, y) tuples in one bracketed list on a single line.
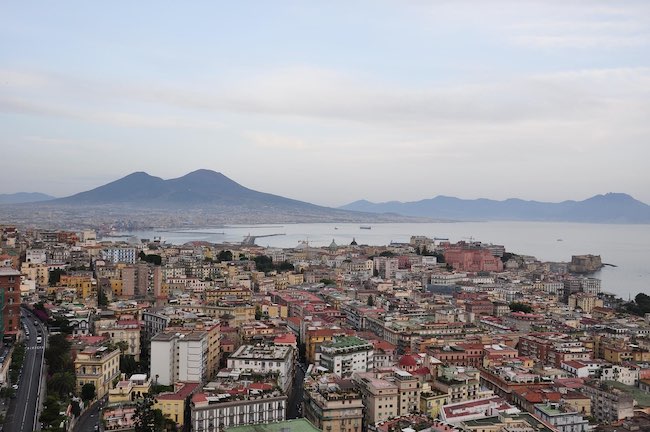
[(365, 227)]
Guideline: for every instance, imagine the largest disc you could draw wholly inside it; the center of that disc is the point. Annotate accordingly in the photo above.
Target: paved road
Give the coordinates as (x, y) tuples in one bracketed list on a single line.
[(89, 420), (294, 403), (23, 414)]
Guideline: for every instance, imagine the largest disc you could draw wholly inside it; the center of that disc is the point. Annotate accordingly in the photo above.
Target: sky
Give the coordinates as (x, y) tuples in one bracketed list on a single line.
[(332, 101)]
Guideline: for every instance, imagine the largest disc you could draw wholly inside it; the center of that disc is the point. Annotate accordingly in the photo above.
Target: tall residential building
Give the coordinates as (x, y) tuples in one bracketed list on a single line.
[(333, 406), (124, 255), (10, 302), (380, 397), (179, 357), (212, 412), (266, 358), (346, 355)]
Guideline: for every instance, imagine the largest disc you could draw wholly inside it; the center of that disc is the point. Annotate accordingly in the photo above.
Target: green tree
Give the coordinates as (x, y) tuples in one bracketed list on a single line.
[(520, 307), (150, 258), (258, 313), (75, 407), (51, 408), (327, 282), (55, 276), (88, 392), (263, 263), (224, 255), (102, 300), (61, 323), (371, 300), (146, 418), (123, 346), (57, 353), (62, 383), (128, 365), (387, 254)]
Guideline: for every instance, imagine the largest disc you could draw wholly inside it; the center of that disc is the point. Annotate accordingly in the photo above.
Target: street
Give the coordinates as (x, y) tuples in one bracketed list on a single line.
[(89, 420), (23, 412), (294, 403)]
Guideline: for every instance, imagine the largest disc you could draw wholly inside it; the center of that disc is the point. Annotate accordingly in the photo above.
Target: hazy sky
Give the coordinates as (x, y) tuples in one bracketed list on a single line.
[(330, 101)]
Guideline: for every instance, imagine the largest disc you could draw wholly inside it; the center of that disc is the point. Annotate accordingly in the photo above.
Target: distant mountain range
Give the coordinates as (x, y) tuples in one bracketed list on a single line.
[(608, 208), (207, 197), (200, 197), (24, 197)]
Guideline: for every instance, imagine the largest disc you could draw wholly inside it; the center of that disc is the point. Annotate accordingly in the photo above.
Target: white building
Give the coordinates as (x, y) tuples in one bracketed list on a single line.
[(622, 374), (346, 355), (263, 359), (179, 357), (36, 256), (123, 255), (217, 412)]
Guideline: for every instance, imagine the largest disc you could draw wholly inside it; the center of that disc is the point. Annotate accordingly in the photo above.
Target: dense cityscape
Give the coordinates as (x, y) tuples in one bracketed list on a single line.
[(427, 335)]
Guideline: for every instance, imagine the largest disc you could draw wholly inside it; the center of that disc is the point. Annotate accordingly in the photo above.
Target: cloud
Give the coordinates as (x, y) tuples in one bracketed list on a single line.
[(273, 141)]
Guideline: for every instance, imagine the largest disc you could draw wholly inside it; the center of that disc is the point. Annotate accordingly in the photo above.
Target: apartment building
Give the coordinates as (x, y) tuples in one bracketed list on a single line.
[(98, 366), (333, 406), (262, 358), (608, 404), (216, 412), (347, 354), (380, 397), (563, 417), (10, 303), (179, 357)]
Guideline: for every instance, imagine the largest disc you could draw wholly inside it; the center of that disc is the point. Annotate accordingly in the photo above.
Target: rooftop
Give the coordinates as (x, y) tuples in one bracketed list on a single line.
[(296, 425)]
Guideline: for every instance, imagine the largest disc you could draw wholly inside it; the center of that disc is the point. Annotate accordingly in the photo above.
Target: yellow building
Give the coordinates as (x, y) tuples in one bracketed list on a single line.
[(296, 278), (172, 404), (275, 310), (123, 330), (98, 366), (36, 272), (130, 390), (431, 402), (313, 339), (82, 284)]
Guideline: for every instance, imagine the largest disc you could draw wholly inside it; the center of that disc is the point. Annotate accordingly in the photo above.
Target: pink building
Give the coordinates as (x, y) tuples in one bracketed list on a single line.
[(463, 257)]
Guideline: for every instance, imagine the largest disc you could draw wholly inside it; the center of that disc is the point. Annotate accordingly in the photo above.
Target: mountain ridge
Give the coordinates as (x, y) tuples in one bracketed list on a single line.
[(612, 207), (24, 197)]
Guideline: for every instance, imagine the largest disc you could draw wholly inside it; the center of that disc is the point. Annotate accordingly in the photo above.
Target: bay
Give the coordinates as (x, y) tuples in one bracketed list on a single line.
[(626, 246)]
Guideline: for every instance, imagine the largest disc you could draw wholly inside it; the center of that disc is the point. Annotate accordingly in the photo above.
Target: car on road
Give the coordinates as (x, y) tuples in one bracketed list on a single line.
[(39, 339), (15, 386), (36, 323)]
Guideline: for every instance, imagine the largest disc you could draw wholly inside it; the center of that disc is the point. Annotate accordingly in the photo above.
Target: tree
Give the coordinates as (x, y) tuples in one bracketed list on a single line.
[(258, 313), (61, 323), (75, 407), (371, 301), (263, 263), (520, 307), (285, 266), (387, 254), (150, 258), (123, 346), (128, 365), (62, 383), (102, 300), (57, 353), (146, 418), (55, 276), (88, 392), (327, 282), (224, 255), (51, 408)]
